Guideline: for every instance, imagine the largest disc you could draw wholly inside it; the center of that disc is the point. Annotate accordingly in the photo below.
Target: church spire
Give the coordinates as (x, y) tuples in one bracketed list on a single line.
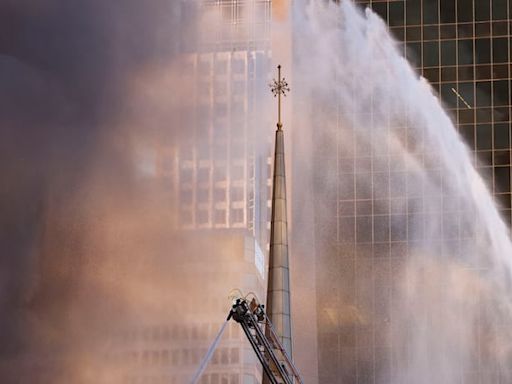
[(278, 293)]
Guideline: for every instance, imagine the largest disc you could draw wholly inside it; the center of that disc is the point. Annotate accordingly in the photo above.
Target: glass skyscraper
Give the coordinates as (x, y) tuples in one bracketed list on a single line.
[(463, 49)]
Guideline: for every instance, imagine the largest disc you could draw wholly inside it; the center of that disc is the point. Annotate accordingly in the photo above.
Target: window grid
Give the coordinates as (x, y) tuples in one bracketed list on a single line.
[(475, 87)]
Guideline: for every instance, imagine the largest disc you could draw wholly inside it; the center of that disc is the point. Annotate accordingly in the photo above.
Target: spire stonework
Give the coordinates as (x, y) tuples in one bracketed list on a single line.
[(278, 293)]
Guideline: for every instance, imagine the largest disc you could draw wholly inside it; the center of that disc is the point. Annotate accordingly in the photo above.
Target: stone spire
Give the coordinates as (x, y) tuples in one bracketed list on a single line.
[(278, 293)]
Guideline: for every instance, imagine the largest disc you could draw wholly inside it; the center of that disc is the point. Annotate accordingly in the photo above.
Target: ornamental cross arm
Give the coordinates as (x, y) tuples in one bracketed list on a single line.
[(279, 87)]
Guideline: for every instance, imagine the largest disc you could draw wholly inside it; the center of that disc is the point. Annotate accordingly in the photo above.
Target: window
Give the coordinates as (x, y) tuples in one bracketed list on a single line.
[(237, 215), (505, 202), (237, 172), (447, 95), (430, 11), (466, 91), (346, 229), (398, 33), (219, 195), (397, 181), (483, 50), (202, 195), (238, 66), (501, 157), (501, 114), (482, 29), (501, 136), (413, 53), (413, 33), (237, 193), (186, 196), (432, 74), (499, 9), (482, 10), (483, 136), (465, 52), (468, 133), (483, 94), (483, 115), (175, 357), (500, 71), (203, 175), (202, 216), (483, 72), (398, 228), (431, 54), (447, 10), (449, 74), (364, 229), (381, 228), (413, 12), (363, 165), (500, 50), (219, 174), (221, 67), (466, 116), (220, 216), (430, 33), (501, 179), (221, 110), (363, 186), (465, 10), (204, 66), (364, 207), (235, 356), (448, 52), (346, 208), (396, 13), (465, 30), (224, 356), (499, 28), (448, 31), (381, 185), (465, 73), (220, 88), (501, 92)]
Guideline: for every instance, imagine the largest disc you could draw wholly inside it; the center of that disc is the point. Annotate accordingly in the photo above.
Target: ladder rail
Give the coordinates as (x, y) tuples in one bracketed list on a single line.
[(253, 317), (276, 340), (259, 354), (269, 350)]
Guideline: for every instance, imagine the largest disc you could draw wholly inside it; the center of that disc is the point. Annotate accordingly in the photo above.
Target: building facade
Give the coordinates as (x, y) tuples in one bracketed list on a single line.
[(217, 177), (463, 49), (219, 180)]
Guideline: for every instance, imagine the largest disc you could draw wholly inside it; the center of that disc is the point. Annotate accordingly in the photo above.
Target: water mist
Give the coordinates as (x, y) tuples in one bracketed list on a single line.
[(410, 247)]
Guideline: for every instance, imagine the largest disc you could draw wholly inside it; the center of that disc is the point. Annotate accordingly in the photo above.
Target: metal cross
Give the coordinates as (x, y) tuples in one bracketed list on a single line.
[(279, 87)]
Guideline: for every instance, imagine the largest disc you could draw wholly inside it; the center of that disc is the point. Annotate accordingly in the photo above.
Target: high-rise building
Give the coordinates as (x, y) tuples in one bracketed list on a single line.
[(217, 176), (463, 49)]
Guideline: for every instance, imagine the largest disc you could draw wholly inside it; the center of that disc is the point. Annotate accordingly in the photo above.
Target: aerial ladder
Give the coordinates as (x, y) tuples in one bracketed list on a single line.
[(260, 332)]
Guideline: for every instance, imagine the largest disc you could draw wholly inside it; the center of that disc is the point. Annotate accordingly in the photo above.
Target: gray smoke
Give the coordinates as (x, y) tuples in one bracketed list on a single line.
[(67, 139)]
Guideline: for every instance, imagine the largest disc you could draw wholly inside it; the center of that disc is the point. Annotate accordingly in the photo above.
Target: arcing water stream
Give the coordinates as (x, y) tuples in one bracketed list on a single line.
[(448, 312), (209, 354)]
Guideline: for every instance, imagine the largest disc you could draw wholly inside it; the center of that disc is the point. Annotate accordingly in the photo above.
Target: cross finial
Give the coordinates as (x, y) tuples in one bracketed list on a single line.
[(279, 87)]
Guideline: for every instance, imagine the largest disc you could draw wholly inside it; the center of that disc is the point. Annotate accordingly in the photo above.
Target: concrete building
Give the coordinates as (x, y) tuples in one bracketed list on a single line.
[(218, 180)]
